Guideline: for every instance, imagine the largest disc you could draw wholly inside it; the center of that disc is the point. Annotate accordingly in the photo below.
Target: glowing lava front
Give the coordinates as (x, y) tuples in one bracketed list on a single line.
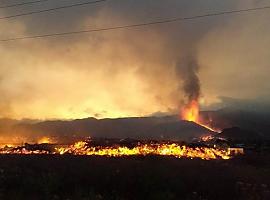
[(155, 149), (174, 150)]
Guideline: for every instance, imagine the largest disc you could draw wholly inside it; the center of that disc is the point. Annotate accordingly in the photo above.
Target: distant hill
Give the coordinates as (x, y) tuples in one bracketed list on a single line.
[(169, 127), (238, 134), (249, 120)]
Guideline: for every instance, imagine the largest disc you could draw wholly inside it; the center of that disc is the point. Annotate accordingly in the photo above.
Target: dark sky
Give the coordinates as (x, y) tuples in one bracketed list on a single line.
[(130, 72)]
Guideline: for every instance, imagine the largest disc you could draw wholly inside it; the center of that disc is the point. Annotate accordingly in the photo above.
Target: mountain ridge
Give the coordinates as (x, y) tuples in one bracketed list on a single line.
[(169, 127)]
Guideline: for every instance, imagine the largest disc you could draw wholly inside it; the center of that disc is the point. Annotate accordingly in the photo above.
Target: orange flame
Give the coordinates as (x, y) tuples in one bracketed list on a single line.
[(191, 113)]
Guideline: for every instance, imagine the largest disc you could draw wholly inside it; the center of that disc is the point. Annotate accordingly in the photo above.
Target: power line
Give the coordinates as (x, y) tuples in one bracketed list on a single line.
[(136, 25), (22, 4), (52, 9)]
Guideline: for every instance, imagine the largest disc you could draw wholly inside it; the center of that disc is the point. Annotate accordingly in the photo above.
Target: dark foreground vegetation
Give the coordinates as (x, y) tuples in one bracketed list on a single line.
[(50, 177)]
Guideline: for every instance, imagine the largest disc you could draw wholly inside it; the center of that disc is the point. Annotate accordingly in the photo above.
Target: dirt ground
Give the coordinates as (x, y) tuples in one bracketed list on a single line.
[(81, 177)]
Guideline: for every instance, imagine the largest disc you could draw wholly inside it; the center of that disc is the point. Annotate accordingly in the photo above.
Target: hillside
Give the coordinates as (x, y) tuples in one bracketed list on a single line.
[(138, 128)]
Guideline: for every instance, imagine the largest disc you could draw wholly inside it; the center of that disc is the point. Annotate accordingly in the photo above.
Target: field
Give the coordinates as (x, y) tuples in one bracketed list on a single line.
[(52, 177)]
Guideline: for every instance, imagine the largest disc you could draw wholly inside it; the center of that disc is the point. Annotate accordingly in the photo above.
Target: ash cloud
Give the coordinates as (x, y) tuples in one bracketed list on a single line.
[(131, 72)]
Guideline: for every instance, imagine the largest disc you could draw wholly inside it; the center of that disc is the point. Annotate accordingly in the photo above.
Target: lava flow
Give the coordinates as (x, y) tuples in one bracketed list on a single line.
[(175, 150), (140, 149), (191, 112)]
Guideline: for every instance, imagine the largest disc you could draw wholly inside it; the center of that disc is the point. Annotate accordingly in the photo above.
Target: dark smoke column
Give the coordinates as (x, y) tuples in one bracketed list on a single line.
[(187, 70)]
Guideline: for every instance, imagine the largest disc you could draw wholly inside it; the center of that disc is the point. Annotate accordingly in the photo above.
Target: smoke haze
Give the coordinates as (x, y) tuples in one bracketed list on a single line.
[(134, 72)]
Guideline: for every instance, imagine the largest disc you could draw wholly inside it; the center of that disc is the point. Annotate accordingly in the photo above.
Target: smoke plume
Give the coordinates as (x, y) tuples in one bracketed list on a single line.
[(187, 70)]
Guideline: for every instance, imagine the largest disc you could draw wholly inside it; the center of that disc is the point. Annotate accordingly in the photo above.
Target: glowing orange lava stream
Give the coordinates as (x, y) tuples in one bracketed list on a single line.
[(158, 149), (174, 150)]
